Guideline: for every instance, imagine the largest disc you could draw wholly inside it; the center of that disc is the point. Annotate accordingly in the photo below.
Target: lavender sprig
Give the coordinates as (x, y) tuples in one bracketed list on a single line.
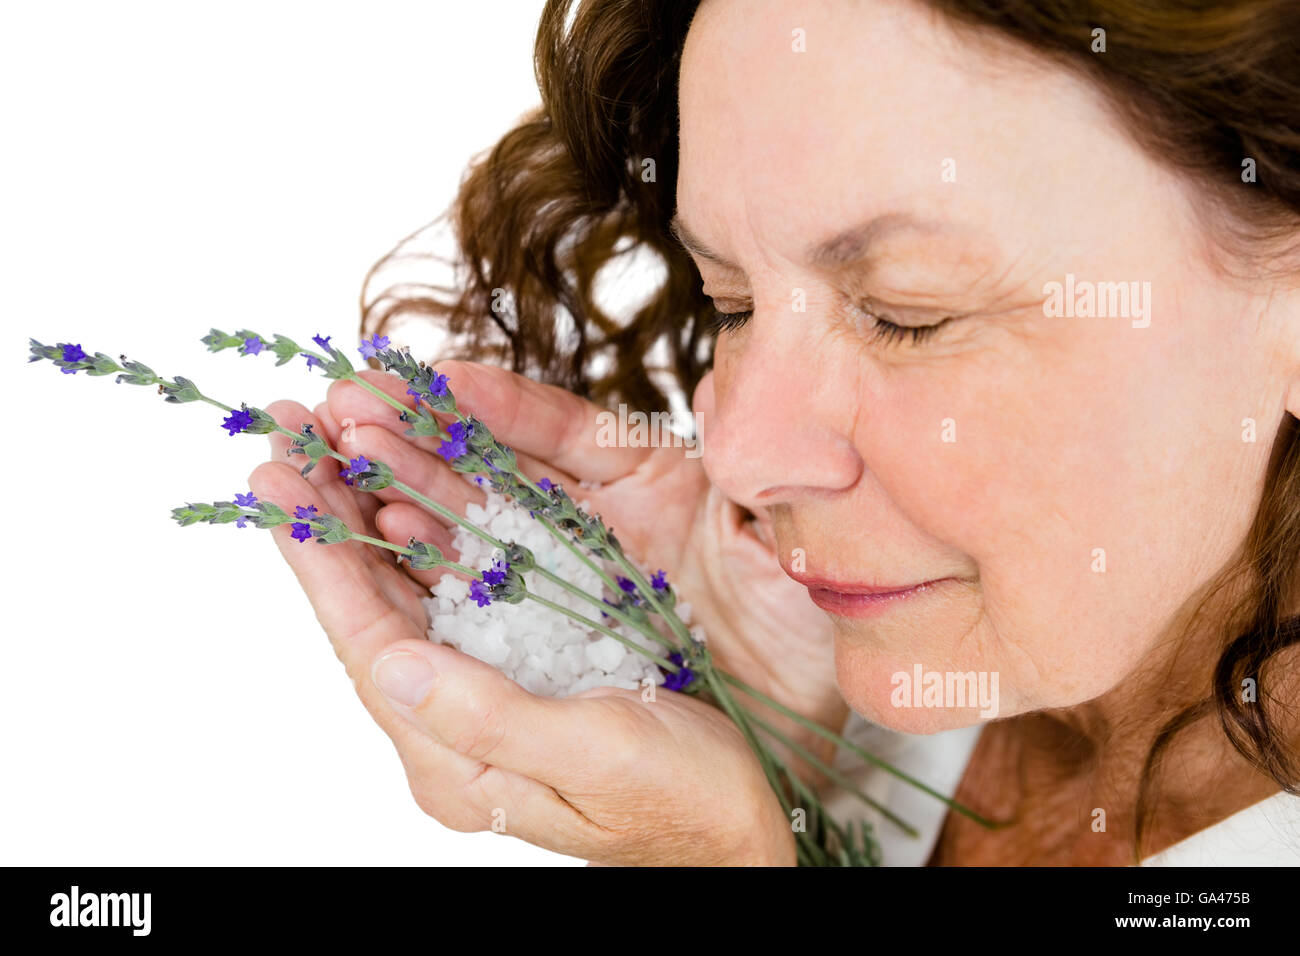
[(500, 582), (364, 474)]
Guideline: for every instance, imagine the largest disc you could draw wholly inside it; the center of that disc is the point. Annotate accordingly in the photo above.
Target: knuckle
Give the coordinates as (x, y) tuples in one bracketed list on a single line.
[(438, 805), (481, 733)]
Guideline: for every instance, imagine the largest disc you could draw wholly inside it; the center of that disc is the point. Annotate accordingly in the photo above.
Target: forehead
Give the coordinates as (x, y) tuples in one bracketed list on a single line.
[(883, 98)]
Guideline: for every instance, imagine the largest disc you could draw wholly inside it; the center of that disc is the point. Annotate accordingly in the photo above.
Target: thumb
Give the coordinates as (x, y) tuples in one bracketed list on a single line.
[(477, 711)]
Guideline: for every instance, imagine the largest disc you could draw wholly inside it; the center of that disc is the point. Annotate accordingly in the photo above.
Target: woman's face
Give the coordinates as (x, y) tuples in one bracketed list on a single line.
[(1067, 482)]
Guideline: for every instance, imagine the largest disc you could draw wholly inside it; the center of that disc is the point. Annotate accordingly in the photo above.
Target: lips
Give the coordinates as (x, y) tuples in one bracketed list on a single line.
[(854, 599)]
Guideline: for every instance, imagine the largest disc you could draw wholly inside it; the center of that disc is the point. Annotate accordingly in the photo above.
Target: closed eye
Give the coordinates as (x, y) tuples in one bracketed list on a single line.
[(721, 321), (882, 329)]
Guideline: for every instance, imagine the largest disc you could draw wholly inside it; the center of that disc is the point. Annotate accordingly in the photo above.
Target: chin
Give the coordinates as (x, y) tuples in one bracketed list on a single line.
[(906, 697)]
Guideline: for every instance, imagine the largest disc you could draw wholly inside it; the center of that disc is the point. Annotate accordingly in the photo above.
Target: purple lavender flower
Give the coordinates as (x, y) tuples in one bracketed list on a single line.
[(241, 521), (545, 484), (370, 347), (416, 393), (237, 421), (306, 513), (459, 433), (355, 467), (480, 594), (438, 387), (659, 582), (312, 361), (497, 574), (301, 530), (72, 353), (676, 680), (251, 346), (626, 584), (323, 342), (245, 501)]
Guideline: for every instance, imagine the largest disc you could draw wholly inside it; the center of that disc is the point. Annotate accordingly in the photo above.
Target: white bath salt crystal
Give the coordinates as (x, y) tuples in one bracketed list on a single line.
[(630, 668), (542, 650), (496, 649), (544, 662), (446, 623), (452, 587), (563, 670), (605, 654), (573, 658)]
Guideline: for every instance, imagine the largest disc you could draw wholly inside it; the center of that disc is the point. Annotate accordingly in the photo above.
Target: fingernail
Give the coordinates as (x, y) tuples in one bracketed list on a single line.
[(404, 677)]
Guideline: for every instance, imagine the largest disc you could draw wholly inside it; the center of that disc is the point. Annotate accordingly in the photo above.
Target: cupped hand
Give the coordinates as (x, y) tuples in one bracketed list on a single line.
[(761, 625), (605, 775)]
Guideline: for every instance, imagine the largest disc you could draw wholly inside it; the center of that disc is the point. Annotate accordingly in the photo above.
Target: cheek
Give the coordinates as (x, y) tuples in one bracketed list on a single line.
[(1075, 488)]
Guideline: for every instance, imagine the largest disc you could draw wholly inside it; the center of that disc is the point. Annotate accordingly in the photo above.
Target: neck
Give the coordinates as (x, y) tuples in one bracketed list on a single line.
[(1104, 746)]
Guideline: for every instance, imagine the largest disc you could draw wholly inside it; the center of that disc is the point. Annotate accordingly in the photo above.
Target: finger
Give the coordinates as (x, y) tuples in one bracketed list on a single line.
[(537, 469), (480, 713), (354, 405), (403, 520), (339, 499), (425, 473), (469, 795), (367, 504), (291, 415), (494, 742), (351, 405), (350, 603), (544, 421)]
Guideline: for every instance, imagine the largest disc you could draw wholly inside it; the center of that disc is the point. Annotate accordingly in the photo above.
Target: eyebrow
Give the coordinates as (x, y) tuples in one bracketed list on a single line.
[(842, 249)]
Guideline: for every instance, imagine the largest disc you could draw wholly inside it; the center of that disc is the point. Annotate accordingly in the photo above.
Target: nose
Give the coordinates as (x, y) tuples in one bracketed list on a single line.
[(776, 417)]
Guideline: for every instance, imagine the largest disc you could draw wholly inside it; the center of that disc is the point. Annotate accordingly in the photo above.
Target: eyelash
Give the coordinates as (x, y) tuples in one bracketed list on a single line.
[(882, 331)]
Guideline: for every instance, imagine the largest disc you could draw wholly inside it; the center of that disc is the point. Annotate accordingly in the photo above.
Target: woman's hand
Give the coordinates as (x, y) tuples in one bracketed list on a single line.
[(761, 625), (604, 775)]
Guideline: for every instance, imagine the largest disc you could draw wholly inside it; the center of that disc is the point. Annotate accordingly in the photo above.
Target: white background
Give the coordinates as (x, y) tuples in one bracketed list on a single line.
[(168, 697)]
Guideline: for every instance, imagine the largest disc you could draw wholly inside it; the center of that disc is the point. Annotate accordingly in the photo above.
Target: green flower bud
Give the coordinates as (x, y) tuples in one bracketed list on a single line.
[(377, 476), (193, 513), (103, 364), (285, 349), (216, 340), (335, 531), (181, 390), (137, 373), (519, 557), (263, 424), (426, 556)]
